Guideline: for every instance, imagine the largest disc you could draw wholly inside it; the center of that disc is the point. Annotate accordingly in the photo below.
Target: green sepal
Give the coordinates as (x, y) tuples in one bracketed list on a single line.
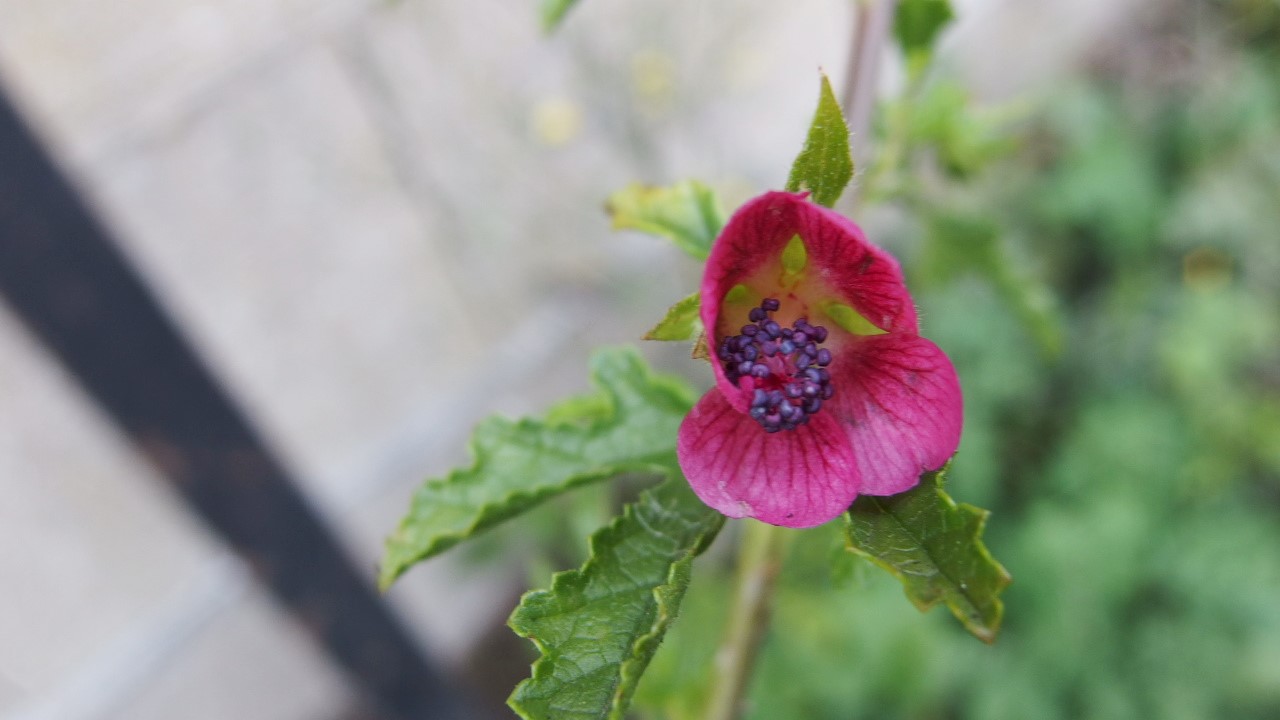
[(628, 425), (553, 12), (681, 322), (850, 320), (933, 546), (598, 627), (917, 23), (688, 213), (825, 164)]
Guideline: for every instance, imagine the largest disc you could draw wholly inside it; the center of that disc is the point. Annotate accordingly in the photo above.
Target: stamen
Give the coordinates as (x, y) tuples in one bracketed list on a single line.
[(789, 369)]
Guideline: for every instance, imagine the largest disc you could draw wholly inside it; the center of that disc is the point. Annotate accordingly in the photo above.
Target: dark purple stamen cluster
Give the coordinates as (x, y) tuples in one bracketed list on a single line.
[(789, 367)]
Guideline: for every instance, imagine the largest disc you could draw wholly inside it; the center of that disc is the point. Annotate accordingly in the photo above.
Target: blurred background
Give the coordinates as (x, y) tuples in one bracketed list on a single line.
[(378, 222)]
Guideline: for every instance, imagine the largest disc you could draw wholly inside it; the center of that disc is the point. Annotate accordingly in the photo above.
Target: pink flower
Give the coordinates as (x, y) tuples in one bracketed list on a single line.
[(824, 387)]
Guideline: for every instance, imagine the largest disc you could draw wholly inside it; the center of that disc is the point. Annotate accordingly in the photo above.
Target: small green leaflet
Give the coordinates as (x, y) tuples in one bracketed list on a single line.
[(687, 213), (629, 425), (935, 548), (917, 23), (598, 627), (553, 12), (825, 165), (681, 322)]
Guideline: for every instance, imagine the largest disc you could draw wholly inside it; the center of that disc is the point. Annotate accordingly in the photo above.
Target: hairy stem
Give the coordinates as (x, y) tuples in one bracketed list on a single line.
[(873, 20), (759, 560)]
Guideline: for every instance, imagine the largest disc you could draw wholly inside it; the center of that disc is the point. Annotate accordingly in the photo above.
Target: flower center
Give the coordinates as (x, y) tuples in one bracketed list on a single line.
[(784, 367)]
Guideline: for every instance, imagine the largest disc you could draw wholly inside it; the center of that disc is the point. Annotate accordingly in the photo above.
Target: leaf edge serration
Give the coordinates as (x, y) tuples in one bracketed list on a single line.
[(975, 522), (397, 560), (667, 600)]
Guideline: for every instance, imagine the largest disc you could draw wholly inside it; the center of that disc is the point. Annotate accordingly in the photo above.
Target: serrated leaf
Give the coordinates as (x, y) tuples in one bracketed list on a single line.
[(598, 626), (935, 548), (628, 426), (681, 322), (917, 23), (688, 213), (553, 12), (825, 164)]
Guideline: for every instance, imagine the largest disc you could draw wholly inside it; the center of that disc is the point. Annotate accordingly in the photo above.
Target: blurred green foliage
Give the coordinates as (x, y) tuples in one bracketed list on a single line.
[(916, 24), (1109, 288), (553, 12)]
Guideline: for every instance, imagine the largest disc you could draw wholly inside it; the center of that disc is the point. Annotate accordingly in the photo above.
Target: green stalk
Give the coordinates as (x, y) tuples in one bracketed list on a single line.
[(759, 560)]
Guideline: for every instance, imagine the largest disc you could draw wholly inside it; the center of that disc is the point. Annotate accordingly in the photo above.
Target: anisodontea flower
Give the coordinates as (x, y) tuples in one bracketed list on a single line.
[(824, 388)]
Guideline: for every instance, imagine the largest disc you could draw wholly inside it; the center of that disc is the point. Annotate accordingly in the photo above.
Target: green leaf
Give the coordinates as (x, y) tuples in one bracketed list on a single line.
[(681, 323), (918, 22), (825, 165), (688, 213), (598, 627), (935, 548), (553, 12), (629, 425)]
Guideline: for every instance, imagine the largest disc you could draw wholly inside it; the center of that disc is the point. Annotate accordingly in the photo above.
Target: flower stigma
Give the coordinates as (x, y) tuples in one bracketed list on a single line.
[(785, 368)]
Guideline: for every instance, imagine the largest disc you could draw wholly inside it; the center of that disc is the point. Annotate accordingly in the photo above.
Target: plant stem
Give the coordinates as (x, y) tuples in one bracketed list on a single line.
[(759, 560), (873, 20), (761, 550)]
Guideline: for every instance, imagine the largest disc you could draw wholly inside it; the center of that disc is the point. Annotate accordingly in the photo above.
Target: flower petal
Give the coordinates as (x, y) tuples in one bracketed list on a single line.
[(797, 478), (868, 278), (899, 400), (754, 236), (859, 273)]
